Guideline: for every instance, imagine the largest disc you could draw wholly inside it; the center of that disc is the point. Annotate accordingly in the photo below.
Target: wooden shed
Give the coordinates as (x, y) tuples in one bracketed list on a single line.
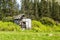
[(23, 21)]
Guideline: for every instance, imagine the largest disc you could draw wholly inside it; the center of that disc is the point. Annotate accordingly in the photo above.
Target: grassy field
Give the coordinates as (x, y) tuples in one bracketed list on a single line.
[(29, 36)]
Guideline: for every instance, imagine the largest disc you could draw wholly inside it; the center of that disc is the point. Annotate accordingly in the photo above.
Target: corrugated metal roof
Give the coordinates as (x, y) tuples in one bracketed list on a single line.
[(18, 16)]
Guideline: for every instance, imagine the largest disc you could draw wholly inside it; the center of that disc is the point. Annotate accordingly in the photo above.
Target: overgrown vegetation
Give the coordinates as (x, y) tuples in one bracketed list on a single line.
[(47, 14), (9, 26), (44, 25), (47, 21)]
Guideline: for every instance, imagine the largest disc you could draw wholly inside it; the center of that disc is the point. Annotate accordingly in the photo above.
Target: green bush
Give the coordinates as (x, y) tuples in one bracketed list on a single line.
[(47, 21), (39, 27), (8, 26)]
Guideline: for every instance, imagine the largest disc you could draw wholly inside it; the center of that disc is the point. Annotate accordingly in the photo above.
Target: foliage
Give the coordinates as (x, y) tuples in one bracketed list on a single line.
[(56, 29), (36, 10), (36, 27), (8, 19), (47, 21), (46, 10), (9, 26), (8, 8), (39, 27)]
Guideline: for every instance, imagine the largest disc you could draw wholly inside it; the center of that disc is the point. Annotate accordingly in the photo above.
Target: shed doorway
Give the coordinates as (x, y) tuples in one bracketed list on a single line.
[(23, 25)]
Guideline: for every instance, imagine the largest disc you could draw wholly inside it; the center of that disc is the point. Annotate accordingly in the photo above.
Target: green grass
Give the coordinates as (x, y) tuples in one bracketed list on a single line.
[(29, 36)]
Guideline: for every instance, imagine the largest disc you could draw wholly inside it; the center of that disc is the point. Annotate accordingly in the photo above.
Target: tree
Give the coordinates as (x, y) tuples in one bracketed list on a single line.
[(55, 10), (44, 8), (8, 8)]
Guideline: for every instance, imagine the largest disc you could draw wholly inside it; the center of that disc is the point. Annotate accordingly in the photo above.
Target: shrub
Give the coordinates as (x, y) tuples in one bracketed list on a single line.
[(8, 26), (47, 21), (39, 27)]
